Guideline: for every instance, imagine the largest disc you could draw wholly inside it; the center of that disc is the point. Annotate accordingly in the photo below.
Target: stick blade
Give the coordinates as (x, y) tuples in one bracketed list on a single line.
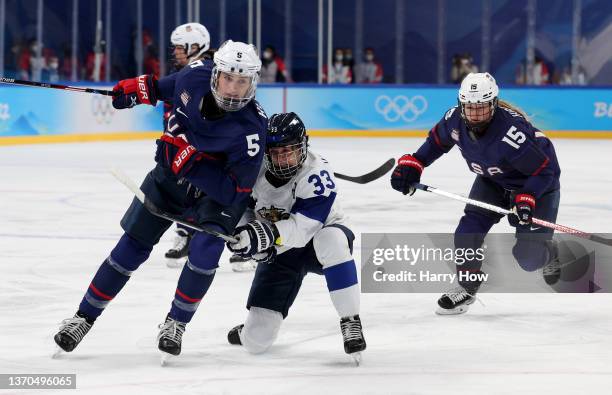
[(371, 176)]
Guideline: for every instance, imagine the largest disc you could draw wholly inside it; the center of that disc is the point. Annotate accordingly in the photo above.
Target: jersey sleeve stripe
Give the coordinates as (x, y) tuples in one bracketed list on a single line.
[(317, 208), (434, 133), (542, 166)]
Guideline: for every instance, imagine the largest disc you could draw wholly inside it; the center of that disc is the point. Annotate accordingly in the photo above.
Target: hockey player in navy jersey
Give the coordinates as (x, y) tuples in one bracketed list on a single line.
[(189, 42), (296, 227), (208, 160), (516, 167)]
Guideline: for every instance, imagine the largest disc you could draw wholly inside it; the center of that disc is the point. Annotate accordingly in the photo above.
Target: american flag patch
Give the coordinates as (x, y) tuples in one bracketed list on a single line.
[(185, 98), (455, 134)]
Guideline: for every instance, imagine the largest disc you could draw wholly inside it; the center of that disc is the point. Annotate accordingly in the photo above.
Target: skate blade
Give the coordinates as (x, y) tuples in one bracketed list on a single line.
[(57, 352), (175, 263), (356, 356), (455, 311), (240, 268), (166, 358)]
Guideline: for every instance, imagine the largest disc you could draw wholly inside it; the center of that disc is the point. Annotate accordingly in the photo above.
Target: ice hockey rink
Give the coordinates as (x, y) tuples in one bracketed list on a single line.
[(60, 218)]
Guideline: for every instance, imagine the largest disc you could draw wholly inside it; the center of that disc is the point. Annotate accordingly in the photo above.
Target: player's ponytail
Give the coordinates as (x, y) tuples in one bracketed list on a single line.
[(511, 107)]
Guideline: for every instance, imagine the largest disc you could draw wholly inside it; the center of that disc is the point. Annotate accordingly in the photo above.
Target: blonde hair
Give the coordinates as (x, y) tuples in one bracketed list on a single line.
[(511, 107)]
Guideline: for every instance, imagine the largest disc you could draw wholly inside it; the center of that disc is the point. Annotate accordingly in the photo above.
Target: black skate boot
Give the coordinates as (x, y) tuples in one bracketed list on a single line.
[(72, 331), (233, 336), (180, 249), (456, 301), (352, 334), (170, 336)]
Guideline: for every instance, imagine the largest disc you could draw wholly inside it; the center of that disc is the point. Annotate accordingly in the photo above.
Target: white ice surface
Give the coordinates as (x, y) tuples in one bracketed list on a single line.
[(59, 217)]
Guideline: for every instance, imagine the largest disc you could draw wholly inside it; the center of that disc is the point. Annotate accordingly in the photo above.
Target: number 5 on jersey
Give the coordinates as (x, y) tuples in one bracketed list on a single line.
[(252, 144)]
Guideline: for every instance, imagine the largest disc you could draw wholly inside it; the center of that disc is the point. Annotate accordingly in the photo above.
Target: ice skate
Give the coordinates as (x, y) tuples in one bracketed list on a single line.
[(455, 301), (354, 342), (170, 338), (241, 264), (233, 336), (175, 255), (71, 332)]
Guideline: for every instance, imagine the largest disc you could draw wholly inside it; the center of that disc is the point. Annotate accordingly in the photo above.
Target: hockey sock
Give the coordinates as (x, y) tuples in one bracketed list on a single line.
[(192, 286), (343, 288), (197, 275), (113, 274)]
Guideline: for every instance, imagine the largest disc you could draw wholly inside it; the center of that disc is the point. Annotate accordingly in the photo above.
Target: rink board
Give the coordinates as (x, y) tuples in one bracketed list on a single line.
[(30, 115)]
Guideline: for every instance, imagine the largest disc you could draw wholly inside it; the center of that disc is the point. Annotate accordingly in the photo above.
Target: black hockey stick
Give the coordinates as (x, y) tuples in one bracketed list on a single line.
[(371, 176), (153, 209), (13, 81), (503, 211)]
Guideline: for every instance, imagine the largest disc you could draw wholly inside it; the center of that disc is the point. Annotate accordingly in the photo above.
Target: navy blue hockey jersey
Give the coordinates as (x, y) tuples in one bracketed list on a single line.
[(234, 143), (512, 152)]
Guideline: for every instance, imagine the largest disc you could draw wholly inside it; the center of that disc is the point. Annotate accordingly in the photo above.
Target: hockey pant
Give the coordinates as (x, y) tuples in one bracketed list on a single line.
[(276, 285)]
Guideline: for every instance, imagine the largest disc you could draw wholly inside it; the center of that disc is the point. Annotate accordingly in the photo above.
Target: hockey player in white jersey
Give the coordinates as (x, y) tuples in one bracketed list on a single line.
[(297, 227)]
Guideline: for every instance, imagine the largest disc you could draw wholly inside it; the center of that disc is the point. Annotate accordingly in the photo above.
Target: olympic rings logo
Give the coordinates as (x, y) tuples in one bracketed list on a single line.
[(400, 107), (102, 109)]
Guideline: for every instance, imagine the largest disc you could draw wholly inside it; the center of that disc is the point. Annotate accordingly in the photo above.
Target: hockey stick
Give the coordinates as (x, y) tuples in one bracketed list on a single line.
[(371, 176), (153, 209), (13, 81), (499, 210)]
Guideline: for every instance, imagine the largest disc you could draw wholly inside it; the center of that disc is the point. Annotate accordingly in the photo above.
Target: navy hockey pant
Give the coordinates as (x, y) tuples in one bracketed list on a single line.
[(532, 249)]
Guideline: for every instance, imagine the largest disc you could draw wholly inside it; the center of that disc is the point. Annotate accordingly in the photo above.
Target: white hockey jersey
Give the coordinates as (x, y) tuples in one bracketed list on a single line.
[(302, 206)]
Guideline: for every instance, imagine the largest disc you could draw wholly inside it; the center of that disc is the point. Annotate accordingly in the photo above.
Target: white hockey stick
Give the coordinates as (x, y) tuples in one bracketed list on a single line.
[(153, 209), (499, 210)]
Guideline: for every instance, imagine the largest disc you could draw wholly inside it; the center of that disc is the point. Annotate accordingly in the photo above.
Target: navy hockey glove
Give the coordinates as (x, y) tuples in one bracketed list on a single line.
[(523, 207), (407, 172), (254, 237), (176, 154), (133, 91)]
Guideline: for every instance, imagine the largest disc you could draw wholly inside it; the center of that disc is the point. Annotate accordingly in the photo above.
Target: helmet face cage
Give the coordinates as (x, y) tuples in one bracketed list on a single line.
[(232, 103), (193, 38), (190, 54), (482, 111), (284, 161)]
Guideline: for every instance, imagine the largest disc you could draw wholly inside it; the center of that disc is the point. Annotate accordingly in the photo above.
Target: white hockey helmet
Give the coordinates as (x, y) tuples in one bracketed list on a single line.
[(239, 60), (480, 92), (189, 34)]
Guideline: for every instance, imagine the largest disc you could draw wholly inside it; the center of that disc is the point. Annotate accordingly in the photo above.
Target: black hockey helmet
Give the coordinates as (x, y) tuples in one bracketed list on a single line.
[(286, 145)]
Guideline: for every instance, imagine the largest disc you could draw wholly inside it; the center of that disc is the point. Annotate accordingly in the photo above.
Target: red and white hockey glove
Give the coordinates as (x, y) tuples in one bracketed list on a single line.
[(176, 154), (407, 172), (523, 207), (133, 91)]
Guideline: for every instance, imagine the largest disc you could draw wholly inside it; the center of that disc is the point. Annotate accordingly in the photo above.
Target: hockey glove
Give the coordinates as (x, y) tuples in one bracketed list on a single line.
[(523, 207), (268, 256), (176, 154), (407, 172), (254, 237), (133, 91)]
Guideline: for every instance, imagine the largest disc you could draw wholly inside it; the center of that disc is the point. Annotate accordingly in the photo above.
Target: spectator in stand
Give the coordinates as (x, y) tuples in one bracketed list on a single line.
[(369, 71), (340, 73), (349, 61), (566, 76), (540, 73), (65, 69), (90, 63), (151, 61), (23, 54), (463, 64), (272, 67)]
